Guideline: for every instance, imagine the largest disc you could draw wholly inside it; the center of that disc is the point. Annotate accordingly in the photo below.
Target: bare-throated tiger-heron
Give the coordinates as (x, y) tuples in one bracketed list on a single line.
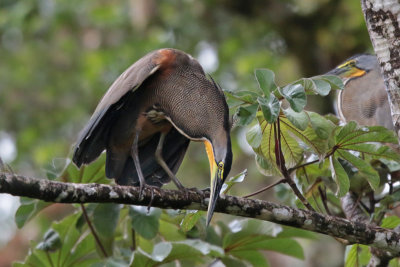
[(149, 115), (364, 98)]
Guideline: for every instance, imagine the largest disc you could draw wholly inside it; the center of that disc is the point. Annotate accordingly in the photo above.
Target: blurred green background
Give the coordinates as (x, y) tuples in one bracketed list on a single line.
[(57, 58)]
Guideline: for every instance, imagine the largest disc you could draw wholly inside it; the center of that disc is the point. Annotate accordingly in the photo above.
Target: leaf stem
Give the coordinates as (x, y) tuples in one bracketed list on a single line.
[(284, 170), (49, 258), (96, 237), (265, 188)]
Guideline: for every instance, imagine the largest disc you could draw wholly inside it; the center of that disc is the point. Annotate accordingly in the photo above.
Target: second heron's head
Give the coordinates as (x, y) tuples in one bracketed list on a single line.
[(356, 66)]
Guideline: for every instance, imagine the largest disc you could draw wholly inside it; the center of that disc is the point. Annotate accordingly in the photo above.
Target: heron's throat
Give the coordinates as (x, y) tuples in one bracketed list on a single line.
[(355, 72)]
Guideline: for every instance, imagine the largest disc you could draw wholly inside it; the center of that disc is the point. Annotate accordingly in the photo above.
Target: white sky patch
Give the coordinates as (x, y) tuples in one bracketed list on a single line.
[(244, 145), (8, 149), (8, 206), (207, 56)]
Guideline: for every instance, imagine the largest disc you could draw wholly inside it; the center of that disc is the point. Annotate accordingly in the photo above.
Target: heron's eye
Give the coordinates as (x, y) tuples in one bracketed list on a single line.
[(221, 165)]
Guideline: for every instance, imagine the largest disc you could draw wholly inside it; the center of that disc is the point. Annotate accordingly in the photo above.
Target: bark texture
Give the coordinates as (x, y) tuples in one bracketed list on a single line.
[(382, 18), (352, 231)]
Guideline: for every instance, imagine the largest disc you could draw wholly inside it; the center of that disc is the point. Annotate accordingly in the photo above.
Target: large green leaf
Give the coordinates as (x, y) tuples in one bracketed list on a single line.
[(255, 258), (352, 256), (295, 95), (371, 175), (245, 114), (357, 255), (299, 119), (294, 143), (335, 81), (270, 108), (28, 209), (164, 252), (340, 177), (145, 222), (351, 135), (190, 220), (321, 85), (266, 81), (254, 136), (92, 173), (105, 218), (72, 249), (390, 222), (251, 235), (247, 97)]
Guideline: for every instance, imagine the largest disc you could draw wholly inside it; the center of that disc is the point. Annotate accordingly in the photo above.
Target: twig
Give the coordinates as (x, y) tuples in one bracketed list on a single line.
[(96, 237), (283, 180), (281, 163)]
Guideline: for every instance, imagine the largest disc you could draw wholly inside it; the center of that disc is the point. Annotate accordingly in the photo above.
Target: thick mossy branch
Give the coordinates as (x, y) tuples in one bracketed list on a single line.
[(51, 191)]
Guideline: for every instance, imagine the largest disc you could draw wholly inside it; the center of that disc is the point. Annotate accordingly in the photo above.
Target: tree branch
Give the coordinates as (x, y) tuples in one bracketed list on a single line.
[(51, 191)]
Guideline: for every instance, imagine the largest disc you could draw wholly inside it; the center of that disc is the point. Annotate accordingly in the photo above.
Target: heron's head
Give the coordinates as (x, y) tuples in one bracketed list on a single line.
[(220, 158), (355, 66)]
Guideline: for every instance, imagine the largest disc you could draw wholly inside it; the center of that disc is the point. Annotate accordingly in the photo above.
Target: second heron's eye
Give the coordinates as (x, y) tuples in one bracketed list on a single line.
[(221, 165)]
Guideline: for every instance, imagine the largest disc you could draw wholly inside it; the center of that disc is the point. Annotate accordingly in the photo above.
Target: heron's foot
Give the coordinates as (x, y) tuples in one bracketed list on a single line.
[(144, 186)]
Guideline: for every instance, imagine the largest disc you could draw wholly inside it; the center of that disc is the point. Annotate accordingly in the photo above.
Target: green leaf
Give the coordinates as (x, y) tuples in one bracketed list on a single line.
[(56, 168), (165, 252), (250, 235), (335, 82), (340, 177), (28, 209), (254, 136), (374, 150), (105, 219), (161, 251), (322, 127), (254, 257), (110, 262), (233, 262), (345, 130), (242, 229), (142, 259), (247, 97), (238, 178), (371, 175), (266, 81), (352, 256), (92, 173), (295, 95), (289, 232), (390, 222), (245, 115), (265, 166), (190, 220), (299, 119), (322, 87), (144, 222), (74, 249), (294, 143), (270, 108), (350, 135)]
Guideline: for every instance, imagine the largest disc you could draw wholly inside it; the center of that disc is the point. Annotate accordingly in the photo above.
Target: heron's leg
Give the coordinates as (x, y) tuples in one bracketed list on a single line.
[(164, 165), (135, 157)]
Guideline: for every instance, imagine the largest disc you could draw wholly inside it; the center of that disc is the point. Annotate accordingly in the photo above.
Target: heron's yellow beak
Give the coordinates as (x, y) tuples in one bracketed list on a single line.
[(216, 172)]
